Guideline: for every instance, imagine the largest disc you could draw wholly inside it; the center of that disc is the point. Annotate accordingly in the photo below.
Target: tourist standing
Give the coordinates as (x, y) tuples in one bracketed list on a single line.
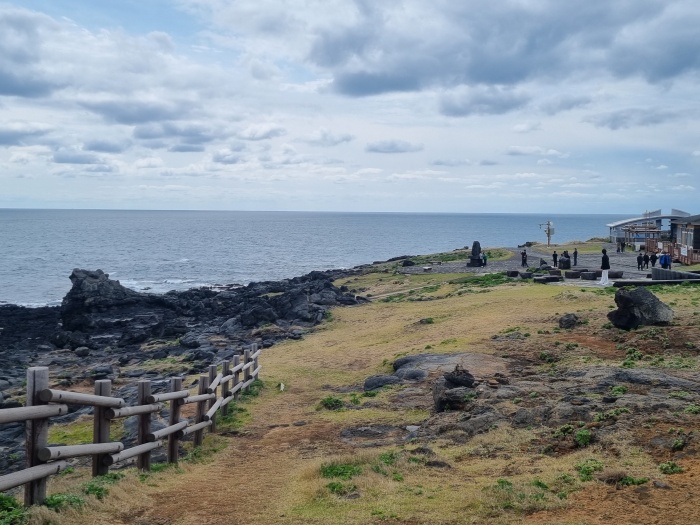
[(646, 261), (484, 257), (653, 258), (554, 258), (575, 254), (640, 261), (664, 260), (523, 258), (604, 266)]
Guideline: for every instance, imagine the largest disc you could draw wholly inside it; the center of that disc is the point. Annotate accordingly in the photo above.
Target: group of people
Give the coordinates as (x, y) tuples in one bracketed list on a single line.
[(564, 261), (644, 259)]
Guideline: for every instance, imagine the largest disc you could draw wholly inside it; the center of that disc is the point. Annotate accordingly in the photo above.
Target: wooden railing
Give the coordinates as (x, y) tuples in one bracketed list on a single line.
[(44, 403)]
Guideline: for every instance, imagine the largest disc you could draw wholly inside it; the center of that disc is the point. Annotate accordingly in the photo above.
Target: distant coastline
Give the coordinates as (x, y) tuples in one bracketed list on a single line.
[(158, 251)]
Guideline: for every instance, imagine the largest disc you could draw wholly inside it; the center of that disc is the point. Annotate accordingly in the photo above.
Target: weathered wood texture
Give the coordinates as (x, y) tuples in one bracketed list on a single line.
[(44, 403)]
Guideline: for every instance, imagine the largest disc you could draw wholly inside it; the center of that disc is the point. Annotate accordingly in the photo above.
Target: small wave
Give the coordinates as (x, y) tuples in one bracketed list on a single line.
[(177, 281), (37, 305)]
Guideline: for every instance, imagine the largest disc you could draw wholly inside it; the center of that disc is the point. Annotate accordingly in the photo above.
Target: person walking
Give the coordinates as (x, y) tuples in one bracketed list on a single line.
[(575, 254), (664, 261), (554, 258), (604, 266), (653, 258), (640, 261), (646, 261), (523, 258)]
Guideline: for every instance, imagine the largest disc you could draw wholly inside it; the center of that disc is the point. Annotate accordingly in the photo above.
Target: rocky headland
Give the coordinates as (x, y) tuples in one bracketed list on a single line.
[(103, 330)]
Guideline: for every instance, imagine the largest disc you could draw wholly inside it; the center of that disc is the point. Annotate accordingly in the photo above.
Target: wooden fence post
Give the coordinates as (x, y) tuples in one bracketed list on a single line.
[(37, 433), (201, 410), (212, 375), (225, 371), (236, 376), (100, 432), (173, 452), (246, 360), (255, 360), (143, 461)]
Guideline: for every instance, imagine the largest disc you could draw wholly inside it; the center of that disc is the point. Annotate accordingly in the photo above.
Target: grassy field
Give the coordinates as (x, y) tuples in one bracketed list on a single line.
[(284, 457)]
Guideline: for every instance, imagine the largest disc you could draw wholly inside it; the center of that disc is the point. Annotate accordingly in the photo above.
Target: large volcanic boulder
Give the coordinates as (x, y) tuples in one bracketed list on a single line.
[(92, 291), (639, 307)]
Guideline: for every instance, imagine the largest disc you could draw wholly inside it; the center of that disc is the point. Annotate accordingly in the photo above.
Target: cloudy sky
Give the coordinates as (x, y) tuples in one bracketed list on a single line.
[(364, 105)]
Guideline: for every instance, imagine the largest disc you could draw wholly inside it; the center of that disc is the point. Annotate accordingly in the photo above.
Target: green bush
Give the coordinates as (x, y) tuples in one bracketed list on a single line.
[(583, 438), (98, 486), (629, 481), (61, 501), (586, 468), (332, 403), (670, 467), (11, 511), (344, 471), (341, 489), (618, 390)]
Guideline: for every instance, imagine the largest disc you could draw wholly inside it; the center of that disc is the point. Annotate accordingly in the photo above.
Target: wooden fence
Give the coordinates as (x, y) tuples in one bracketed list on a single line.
[(44, 403)]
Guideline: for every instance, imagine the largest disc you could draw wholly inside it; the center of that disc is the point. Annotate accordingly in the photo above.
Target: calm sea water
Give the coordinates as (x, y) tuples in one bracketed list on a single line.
[(176, 250)]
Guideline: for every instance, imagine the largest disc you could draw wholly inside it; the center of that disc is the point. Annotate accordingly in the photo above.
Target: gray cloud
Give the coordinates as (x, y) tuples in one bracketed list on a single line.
[(186, 148), (21, 47), (392, 146), (20, 133), (556, 105), (481, 101), (190, 133), (380, 50), (137, 111), (106, 146), (632, 117), (75, 157)]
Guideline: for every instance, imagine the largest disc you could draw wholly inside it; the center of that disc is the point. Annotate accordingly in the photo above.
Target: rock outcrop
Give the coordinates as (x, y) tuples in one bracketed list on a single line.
[(639, 307), (105, 330)]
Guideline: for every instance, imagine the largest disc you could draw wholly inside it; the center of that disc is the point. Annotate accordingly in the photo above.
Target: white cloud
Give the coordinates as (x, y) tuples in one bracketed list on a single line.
[(392, 146), (213, 93)]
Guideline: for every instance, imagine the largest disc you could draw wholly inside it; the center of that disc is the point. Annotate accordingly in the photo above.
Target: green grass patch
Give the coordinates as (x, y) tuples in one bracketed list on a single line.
[(11, 511), (344, 471), (587, 468), (331, 403), (98, 486), (670, 467), (61, 501)]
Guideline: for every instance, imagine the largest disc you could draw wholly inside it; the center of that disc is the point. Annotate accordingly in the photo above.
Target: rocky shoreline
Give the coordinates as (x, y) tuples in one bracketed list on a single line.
[(103, 330)]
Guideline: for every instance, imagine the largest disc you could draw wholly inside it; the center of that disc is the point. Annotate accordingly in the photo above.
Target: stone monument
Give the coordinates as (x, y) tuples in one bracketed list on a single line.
[(475, 259)]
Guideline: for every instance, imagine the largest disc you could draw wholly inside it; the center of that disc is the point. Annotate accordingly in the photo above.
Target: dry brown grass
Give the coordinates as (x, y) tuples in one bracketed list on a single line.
[(270, 473)]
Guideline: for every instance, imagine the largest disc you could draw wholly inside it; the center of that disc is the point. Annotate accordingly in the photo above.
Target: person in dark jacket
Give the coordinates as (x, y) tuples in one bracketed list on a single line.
[(653, 258), (575, 254), (554, 258), (523, 258), (604, 266), (640, 261), (646, 261)]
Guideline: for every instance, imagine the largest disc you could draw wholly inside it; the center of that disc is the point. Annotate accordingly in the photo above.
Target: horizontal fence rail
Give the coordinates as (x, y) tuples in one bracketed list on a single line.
[(216, 390)]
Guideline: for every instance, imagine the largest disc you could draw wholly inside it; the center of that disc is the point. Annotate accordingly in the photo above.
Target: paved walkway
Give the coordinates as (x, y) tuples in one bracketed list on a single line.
[(627, 262)]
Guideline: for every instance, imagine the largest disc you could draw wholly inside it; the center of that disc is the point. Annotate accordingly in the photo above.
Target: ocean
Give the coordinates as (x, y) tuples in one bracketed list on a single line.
[(158, 251)]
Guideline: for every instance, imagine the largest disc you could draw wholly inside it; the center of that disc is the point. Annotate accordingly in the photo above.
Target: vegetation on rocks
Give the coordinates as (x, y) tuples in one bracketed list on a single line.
[(556, 429)]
